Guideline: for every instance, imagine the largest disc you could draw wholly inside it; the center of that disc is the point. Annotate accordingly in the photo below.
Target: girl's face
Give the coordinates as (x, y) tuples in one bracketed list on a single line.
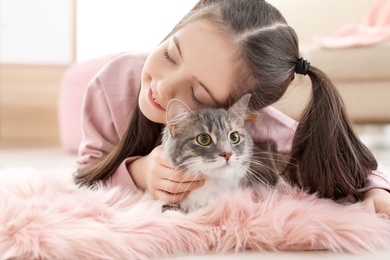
[(195, 65)]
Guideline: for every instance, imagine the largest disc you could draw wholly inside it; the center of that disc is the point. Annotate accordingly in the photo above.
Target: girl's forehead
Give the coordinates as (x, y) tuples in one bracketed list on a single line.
[(211, 55)]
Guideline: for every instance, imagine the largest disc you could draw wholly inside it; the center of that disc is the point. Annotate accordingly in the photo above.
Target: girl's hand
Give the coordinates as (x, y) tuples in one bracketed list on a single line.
[(378, 200), (159, 176)]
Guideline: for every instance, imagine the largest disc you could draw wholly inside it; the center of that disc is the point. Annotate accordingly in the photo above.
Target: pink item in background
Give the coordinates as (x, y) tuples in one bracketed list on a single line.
[(374, 29), (73, 86)]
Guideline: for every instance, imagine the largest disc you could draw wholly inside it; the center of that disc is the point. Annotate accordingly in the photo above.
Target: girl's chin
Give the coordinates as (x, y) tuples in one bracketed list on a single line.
[(155, 119), (154, 116), (149, 110)]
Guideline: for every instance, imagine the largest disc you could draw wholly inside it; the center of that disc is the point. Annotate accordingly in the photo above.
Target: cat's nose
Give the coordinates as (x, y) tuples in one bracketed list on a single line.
[(226, 156)]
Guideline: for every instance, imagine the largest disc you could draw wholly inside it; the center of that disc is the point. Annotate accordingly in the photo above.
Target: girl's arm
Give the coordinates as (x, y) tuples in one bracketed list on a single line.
[(275, 126), (108, 103), (376, 194), (378, 200), (377, 180)]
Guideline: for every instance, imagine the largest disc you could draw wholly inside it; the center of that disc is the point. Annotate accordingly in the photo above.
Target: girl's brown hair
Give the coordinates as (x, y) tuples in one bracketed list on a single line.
[(327, 157)]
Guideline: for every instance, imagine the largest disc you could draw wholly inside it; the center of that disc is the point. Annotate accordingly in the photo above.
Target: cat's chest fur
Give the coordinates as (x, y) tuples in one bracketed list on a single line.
[(227, 181)]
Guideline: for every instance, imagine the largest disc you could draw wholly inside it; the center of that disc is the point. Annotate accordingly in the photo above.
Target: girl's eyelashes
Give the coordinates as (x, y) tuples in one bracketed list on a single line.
[(168, 58), (193, 97)]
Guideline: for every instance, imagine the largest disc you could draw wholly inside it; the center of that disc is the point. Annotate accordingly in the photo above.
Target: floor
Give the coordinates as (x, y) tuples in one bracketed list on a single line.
[(377, 137)]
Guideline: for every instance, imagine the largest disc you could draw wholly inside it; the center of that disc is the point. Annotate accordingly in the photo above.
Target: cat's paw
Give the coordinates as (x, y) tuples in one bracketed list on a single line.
[(172, 210), (174, 213)]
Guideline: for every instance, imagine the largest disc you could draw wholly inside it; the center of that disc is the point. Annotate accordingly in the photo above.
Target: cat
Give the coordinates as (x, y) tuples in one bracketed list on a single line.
[(213, 142)]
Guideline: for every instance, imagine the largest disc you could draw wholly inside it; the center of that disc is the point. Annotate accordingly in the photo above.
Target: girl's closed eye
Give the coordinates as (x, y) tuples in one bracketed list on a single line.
[(168, 58), (194, 98)]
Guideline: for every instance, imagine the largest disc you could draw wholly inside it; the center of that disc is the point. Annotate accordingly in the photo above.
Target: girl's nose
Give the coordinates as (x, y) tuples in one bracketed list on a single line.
[(166, 89)]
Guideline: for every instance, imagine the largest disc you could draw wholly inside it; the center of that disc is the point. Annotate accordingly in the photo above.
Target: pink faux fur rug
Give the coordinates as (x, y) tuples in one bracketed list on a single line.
[(45, 216)]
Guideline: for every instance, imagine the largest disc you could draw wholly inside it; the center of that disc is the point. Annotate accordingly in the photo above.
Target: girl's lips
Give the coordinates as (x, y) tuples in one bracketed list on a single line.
[(152, 100)]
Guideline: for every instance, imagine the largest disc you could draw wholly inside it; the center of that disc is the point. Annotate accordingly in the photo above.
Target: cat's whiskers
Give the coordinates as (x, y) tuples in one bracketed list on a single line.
[(262, 165), (188, 167), (255, 180), (271, 156), (195, 166), (253, 174), (269, 170)]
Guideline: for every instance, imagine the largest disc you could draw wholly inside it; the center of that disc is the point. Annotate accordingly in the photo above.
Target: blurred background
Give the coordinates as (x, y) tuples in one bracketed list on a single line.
[(41, 39)]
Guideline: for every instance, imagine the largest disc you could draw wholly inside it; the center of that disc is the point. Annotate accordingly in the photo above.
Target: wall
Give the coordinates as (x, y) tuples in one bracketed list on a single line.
[(307, 16), (36, 47), (36, 32), (111, 26)]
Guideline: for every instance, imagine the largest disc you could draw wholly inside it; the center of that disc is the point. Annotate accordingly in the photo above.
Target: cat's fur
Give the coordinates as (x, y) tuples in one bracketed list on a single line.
[(223, 162)]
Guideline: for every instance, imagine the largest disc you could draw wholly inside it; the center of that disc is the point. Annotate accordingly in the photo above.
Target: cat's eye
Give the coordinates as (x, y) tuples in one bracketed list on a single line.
[(203, 139), (234, 137)]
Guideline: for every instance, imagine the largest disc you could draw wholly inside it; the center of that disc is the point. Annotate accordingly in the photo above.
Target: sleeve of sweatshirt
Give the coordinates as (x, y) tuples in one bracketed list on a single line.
[(378, 179), (108, 103), (277, 127)]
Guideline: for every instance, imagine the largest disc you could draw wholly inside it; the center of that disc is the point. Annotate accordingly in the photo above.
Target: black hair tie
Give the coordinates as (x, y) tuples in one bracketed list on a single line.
[(302, 66)]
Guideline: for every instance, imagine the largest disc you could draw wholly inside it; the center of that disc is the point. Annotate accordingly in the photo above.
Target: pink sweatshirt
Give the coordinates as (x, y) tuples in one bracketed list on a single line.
[(112, 94)]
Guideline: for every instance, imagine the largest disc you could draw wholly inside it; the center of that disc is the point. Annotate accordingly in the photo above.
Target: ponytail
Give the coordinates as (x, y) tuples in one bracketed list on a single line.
[(327, 156)]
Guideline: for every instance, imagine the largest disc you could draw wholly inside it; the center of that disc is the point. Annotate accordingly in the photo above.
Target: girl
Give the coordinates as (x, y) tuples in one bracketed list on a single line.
[(221, 50)]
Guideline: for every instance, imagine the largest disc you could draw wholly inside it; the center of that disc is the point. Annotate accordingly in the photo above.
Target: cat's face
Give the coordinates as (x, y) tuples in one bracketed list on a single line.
[(208, 141)]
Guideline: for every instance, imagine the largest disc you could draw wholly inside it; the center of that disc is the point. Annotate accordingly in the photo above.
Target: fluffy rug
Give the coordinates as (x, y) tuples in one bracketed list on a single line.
[(45, 216)]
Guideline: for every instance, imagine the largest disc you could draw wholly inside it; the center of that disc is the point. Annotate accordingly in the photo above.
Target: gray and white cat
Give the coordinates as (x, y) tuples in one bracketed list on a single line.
[(211, 142)]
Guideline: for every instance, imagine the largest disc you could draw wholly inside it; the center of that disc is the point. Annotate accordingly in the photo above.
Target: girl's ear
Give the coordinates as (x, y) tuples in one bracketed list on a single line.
[(240, 108), (176, 112)]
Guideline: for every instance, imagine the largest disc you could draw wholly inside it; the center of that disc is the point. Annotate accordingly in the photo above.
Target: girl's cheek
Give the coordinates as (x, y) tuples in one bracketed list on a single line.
[(154, 66)]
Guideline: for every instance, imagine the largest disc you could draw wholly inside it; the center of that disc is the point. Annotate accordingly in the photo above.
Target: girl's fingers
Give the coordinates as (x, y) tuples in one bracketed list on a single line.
[(181, 176), (170, 197), (174, 187), (189, 178)]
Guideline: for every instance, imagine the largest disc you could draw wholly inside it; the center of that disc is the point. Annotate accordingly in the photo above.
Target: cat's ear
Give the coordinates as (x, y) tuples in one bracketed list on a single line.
[(176, 112), (240, 108)]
